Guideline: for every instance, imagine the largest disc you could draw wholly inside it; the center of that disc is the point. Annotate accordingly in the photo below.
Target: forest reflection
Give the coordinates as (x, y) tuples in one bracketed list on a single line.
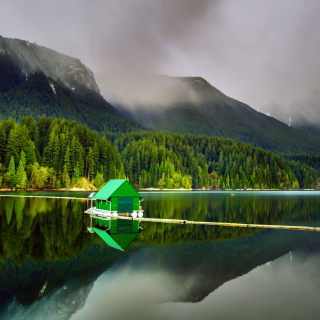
[(56, 229)]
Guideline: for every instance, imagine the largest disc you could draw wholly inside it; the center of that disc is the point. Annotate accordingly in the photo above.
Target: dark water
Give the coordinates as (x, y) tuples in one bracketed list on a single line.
[(52, 268)]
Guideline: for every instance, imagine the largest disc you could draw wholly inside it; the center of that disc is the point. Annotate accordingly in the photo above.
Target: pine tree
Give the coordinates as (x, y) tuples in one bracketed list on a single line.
[(221, 164), (1, 180), (21, 175), (65, 177), (98, 180), (12, 146), (11, 173), (90, 164), (3, 143), (76, 174), (67, 165)]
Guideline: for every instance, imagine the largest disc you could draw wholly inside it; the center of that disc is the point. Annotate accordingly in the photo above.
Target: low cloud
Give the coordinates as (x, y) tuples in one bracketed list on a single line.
[(254, 51)]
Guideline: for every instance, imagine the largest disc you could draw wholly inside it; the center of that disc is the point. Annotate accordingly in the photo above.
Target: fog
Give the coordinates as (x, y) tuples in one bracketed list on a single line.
[(133, 90), (253, 50)]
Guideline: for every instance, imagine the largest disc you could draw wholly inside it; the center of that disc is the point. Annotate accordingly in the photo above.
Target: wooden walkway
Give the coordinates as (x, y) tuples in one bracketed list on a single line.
[(44, 197), (221, 224)]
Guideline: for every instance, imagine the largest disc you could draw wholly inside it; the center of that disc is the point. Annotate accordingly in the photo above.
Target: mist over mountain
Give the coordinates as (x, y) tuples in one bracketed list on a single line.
[(302, 113), (32, 58), (38, 81), (191, 105)]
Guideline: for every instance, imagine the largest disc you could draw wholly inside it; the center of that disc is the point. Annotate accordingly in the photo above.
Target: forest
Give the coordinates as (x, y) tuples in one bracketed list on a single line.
[(57, 153)]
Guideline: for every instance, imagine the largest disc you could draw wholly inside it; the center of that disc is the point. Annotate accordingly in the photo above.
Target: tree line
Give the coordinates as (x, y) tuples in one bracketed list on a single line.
[(58, 153), (167, 160)]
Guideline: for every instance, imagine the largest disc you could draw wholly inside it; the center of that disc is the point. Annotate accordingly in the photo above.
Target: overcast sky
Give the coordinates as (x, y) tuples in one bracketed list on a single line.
[(252, 50)]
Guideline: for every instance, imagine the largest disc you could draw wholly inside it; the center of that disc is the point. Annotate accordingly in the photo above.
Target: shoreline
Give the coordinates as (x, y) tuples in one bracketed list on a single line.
[(60, 189), (231, 190), (149, 189)]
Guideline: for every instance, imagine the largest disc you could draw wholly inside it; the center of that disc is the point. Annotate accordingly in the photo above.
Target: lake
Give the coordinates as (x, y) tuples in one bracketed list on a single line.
[(51, 267)]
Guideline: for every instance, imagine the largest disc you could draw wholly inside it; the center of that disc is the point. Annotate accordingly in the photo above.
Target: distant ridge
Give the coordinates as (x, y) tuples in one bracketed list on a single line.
[(190, 105)]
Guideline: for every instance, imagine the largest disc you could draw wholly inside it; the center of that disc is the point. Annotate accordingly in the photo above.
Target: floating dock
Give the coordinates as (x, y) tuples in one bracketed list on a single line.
[(205, 223)]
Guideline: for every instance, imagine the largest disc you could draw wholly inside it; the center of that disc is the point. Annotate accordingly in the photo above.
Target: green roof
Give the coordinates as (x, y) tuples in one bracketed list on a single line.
[(118, 241), (116, 187)]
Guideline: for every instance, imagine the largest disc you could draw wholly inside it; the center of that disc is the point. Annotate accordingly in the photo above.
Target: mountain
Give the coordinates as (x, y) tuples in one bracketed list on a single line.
[(190, 105), (302, 114), (32, 58), (39, 81)]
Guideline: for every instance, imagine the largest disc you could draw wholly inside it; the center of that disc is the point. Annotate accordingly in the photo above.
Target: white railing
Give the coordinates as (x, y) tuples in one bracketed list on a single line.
[(109, 213)]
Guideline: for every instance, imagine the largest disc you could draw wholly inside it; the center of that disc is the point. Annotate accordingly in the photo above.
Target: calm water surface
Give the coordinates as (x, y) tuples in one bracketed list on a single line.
[(51, 267)]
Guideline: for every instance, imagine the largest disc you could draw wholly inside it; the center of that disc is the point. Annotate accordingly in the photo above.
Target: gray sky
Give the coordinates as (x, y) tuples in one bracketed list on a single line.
[(252, 50)]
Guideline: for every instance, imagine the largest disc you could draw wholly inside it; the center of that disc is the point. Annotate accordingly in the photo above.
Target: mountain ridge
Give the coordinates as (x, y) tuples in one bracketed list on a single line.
[(199, 108), (64, 69)]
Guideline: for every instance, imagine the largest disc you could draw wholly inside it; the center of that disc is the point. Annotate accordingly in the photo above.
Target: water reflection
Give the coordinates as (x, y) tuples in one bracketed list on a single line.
[(41, 229), (47, 254), (287, 288), (245, 207)]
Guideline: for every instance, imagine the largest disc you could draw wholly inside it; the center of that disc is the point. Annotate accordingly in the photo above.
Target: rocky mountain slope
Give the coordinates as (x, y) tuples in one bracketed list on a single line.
[(38, 81), (32, 58)]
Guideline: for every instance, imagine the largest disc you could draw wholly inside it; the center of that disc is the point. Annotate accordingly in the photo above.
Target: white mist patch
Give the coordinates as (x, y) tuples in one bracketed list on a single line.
[(43, 289), (53, 87), (135, 90)]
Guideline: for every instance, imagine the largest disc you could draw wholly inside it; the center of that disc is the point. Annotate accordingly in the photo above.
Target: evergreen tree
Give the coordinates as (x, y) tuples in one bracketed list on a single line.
[(65, 177), (21, 175), (11, 173), (90, 164), (76, 174), (3, 142), (98, 180)]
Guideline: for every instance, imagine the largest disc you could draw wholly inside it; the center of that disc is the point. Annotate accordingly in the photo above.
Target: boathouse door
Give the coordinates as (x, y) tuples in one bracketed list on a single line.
[(125, 204)]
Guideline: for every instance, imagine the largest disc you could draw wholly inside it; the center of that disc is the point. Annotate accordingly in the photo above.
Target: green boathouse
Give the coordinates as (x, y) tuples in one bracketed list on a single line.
[(116, 198), (118, 195)]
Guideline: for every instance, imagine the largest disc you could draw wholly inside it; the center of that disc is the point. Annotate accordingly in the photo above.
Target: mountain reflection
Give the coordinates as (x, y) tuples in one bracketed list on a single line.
[(291, 289), (45, 246)]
